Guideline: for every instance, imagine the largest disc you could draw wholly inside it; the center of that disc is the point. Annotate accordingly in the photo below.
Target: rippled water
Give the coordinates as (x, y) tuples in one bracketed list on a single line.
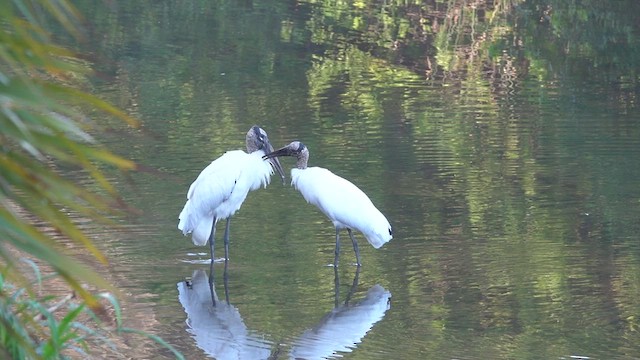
[(514, 203), (493, 256)]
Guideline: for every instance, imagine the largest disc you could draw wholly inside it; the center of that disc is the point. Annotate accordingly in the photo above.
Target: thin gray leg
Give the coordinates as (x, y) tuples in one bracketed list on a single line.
[(212, 286), (335, 260), (226, 282), (226, 240), (212, 239), (336, 287), (354, 285), (355, 246)]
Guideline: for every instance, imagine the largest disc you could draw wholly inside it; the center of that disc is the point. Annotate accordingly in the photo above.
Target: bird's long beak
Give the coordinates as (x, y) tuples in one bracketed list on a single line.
[(277, 153), (275, 163)]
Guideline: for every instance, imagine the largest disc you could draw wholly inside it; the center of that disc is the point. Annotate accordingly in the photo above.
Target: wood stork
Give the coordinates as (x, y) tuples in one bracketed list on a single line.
[(339, 199), (222, 186)]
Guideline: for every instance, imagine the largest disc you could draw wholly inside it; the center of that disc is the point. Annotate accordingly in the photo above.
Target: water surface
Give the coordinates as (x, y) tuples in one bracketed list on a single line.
[(502, 143)]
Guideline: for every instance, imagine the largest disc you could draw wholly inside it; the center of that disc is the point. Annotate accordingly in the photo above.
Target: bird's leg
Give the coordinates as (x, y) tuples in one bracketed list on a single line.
[(212, 290), (354, 285), (336, 286), (226, 282), (212, 241), (355, 246), (226, 261), (335, 260), (226, 240)]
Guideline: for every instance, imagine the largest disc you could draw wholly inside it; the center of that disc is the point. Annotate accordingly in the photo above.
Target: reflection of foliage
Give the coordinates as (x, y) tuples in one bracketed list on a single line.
[(590, 38), (464, 103), (491, 170)]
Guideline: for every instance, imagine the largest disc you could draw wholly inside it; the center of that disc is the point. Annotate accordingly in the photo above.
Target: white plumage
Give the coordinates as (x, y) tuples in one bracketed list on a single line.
[(344, 203), (339, 199), (220, 190), (222, 186)]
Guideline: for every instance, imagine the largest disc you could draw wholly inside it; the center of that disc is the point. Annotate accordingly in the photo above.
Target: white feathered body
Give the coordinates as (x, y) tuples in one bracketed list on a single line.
[(342, 202), (220, 189)]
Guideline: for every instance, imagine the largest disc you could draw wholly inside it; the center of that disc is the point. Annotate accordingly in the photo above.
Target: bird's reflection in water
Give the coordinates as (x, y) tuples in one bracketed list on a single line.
[(345, 326), (217, 326)]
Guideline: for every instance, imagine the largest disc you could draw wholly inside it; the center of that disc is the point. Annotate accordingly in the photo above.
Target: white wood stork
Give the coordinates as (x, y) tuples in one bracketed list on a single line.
[(339, 199), (222, 186)]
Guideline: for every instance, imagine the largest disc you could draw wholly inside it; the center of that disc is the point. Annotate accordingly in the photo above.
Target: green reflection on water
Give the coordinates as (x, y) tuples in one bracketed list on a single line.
[(501, 140)]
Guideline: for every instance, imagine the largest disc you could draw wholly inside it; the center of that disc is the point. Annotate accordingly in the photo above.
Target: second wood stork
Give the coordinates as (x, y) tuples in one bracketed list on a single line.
[(222, 186), (339, 199)]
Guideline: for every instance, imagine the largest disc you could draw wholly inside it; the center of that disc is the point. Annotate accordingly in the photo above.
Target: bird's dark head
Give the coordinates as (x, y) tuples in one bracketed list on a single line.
[(257, 139), (297, 149)]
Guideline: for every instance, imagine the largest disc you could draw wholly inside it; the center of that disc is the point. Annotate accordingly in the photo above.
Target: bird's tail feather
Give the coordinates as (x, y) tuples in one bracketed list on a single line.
[(377, 240), (185, 224), (380, 234), (198, 226), (200, 234)]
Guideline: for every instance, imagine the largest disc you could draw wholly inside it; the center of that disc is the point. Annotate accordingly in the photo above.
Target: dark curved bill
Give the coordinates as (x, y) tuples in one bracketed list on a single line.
[(275, 162), (277, 153)]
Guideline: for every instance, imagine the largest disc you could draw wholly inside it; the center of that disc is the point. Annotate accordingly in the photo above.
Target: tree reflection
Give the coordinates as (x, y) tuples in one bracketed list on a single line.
[(485, 124)]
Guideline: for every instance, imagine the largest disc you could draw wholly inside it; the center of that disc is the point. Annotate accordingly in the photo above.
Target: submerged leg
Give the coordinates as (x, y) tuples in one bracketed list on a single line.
[(354, 285), (355, 246), (225, 280), (335, 260), (226, 260), (226, 240), (212, 239), (212, 290)]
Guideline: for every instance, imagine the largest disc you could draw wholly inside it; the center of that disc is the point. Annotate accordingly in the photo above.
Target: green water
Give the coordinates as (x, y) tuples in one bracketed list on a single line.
[(501, 141)]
